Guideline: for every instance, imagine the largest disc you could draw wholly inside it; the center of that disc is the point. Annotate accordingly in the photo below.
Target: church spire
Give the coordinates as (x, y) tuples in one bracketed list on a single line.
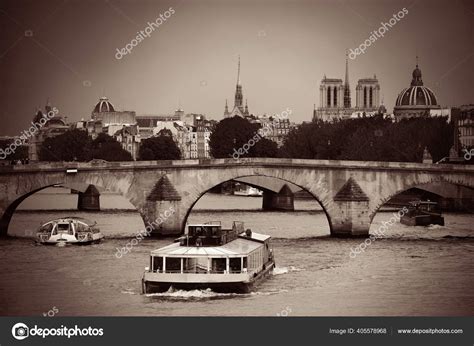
[(239, 97), (347, 90), (238, 73)]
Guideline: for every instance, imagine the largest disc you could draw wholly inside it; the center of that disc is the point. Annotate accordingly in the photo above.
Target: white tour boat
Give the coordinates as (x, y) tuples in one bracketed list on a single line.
[(247, 191), (69, 230), (208, 256)]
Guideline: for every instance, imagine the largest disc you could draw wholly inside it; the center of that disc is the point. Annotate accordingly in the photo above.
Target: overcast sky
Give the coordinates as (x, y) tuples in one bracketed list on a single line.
[(68, 54)]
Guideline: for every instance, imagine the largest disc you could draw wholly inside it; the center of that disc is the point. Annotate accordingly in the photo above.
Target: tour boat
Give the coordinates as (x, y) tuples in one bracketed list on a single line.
[(422, 213), (208, 256), (69, 230), (249, 191)]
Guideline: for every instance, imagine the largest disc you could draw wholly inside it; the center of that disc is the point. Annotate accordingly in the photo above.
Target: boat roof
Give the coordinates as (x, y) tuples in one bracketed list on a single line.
[(238, 247), (423, 202), (73, 218), (255, 236)]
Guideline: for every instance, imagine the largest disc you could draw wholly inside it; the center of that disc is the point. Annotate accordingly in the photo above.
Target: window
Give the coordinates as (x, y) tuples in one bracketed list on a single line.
[(218, 265), (234, 264), (157, 264), (173, 264)]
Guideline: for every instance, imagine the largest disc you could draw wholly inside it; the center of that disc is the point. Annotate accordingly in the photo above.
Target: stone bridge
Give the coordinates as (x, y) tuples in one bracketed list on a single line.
[(350, 192)]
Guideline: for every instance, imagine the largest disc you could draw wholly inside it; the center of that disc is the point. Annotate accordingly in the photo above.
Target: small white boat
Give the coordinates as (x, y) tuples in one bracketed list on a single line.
[(224, 260), (249, 191), (69, 230)]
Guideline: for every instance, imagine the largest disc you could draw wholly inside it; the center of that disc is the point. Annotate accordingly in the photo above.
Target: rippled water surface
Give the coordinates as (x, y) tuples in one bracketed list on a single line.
[(411, 271)]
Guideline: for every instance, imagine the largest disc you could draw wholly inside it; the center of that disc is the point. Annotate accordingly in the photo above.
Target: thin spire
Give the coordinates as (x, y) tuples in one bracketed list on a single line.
[(417, 61), (347, 89), (346, 82), (238, 72)]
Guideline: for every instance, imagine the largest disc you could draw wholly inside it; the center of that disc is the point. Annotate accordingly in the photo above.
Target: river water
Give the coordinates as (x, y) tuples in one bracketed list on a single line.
[(410, 271)]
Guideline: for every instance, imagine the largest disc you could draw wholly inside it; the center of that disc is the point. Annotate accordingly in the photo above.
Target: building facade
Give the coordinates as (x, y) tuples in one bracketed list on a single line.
[(129, 139), (52, 128), (335, 98), (465, 124), (367, 96)]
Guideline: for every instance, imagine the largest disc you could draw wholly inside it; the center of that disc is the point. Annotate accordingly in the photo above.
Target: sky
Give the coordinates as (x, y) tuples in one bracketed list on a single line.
[(65, 50)]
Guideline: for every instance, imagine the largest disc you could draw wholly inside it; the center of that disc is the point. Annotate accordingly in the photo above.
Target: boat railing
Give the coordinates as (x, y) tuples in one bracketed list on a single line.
[(194, 271)]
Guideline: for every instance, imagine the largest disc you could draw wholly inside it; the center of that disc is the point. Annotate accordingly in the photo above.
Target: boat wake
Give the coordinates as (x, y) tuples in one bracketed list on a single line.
[(285, 270), (206, 294), (192, 294)]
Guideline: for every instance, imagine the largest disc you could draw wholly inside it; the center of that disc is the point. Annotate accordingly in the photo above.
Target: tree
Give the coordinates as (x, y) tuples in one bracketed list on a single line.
[(107, 148), (371, 139), (264, 148), (237, 137), (230, 134), (73, 145), (159, 148)]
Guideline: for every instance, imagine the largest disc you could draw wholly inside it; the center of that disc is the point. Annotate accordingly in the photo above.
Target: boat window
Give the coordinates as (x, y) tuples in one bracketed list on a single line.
[(198, 231), (157, 264), (173, 264), (80, 227), (46, 228), (218, 265), (234, 264), (190, 265), (245, 263), (63, 227)]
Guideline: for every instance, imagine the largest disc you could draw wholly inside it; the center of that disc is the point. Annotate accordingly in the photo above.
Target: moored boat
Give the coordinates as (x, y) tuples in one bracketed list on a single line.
[(247, 191), (208, 256), (69, 230), (422, 213)]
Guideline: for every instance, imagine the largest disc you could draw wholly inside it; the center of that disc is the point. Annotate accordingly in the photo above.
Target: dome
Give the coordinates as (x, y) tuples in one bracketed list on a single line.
[(104, 106), (416, 96)]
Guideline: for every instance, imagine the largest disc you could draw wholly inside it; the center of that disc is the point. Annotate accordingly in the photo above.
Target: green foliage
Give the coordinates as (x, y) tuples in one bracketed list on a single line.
[(159, 148)]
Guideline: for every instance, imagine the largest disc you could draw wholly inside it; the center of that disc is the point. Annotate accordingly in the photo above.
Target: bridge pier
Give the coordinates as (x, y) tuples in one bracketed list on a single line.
[(352, 221), (283, 200), (89, 200), (352, 217), (164, 218)]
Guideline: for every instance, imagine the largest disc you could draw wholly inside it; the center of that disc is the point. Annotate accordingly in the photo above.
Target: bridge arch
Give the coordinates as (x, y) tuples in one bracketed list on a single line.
[(203, 192), (27, 189), (416, 182)]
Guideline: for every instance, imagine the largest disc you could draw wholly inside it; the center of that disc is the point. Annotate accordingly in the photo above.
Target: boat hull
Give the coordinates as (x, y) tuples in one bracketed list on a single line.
[(96, 238), (245, 286), (422, 220)]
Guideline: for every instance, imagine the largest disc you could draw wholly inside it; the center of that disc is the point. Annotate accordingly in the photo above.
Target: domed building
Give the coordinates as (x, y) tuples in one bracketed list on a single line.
[(105, 112), (103, 106), (416, 100)]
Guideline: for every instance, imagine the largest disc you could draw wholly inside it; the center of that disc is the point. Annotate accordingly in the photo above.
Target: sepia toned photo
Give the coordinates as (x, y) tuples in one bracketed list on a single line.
[(264, 158)]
